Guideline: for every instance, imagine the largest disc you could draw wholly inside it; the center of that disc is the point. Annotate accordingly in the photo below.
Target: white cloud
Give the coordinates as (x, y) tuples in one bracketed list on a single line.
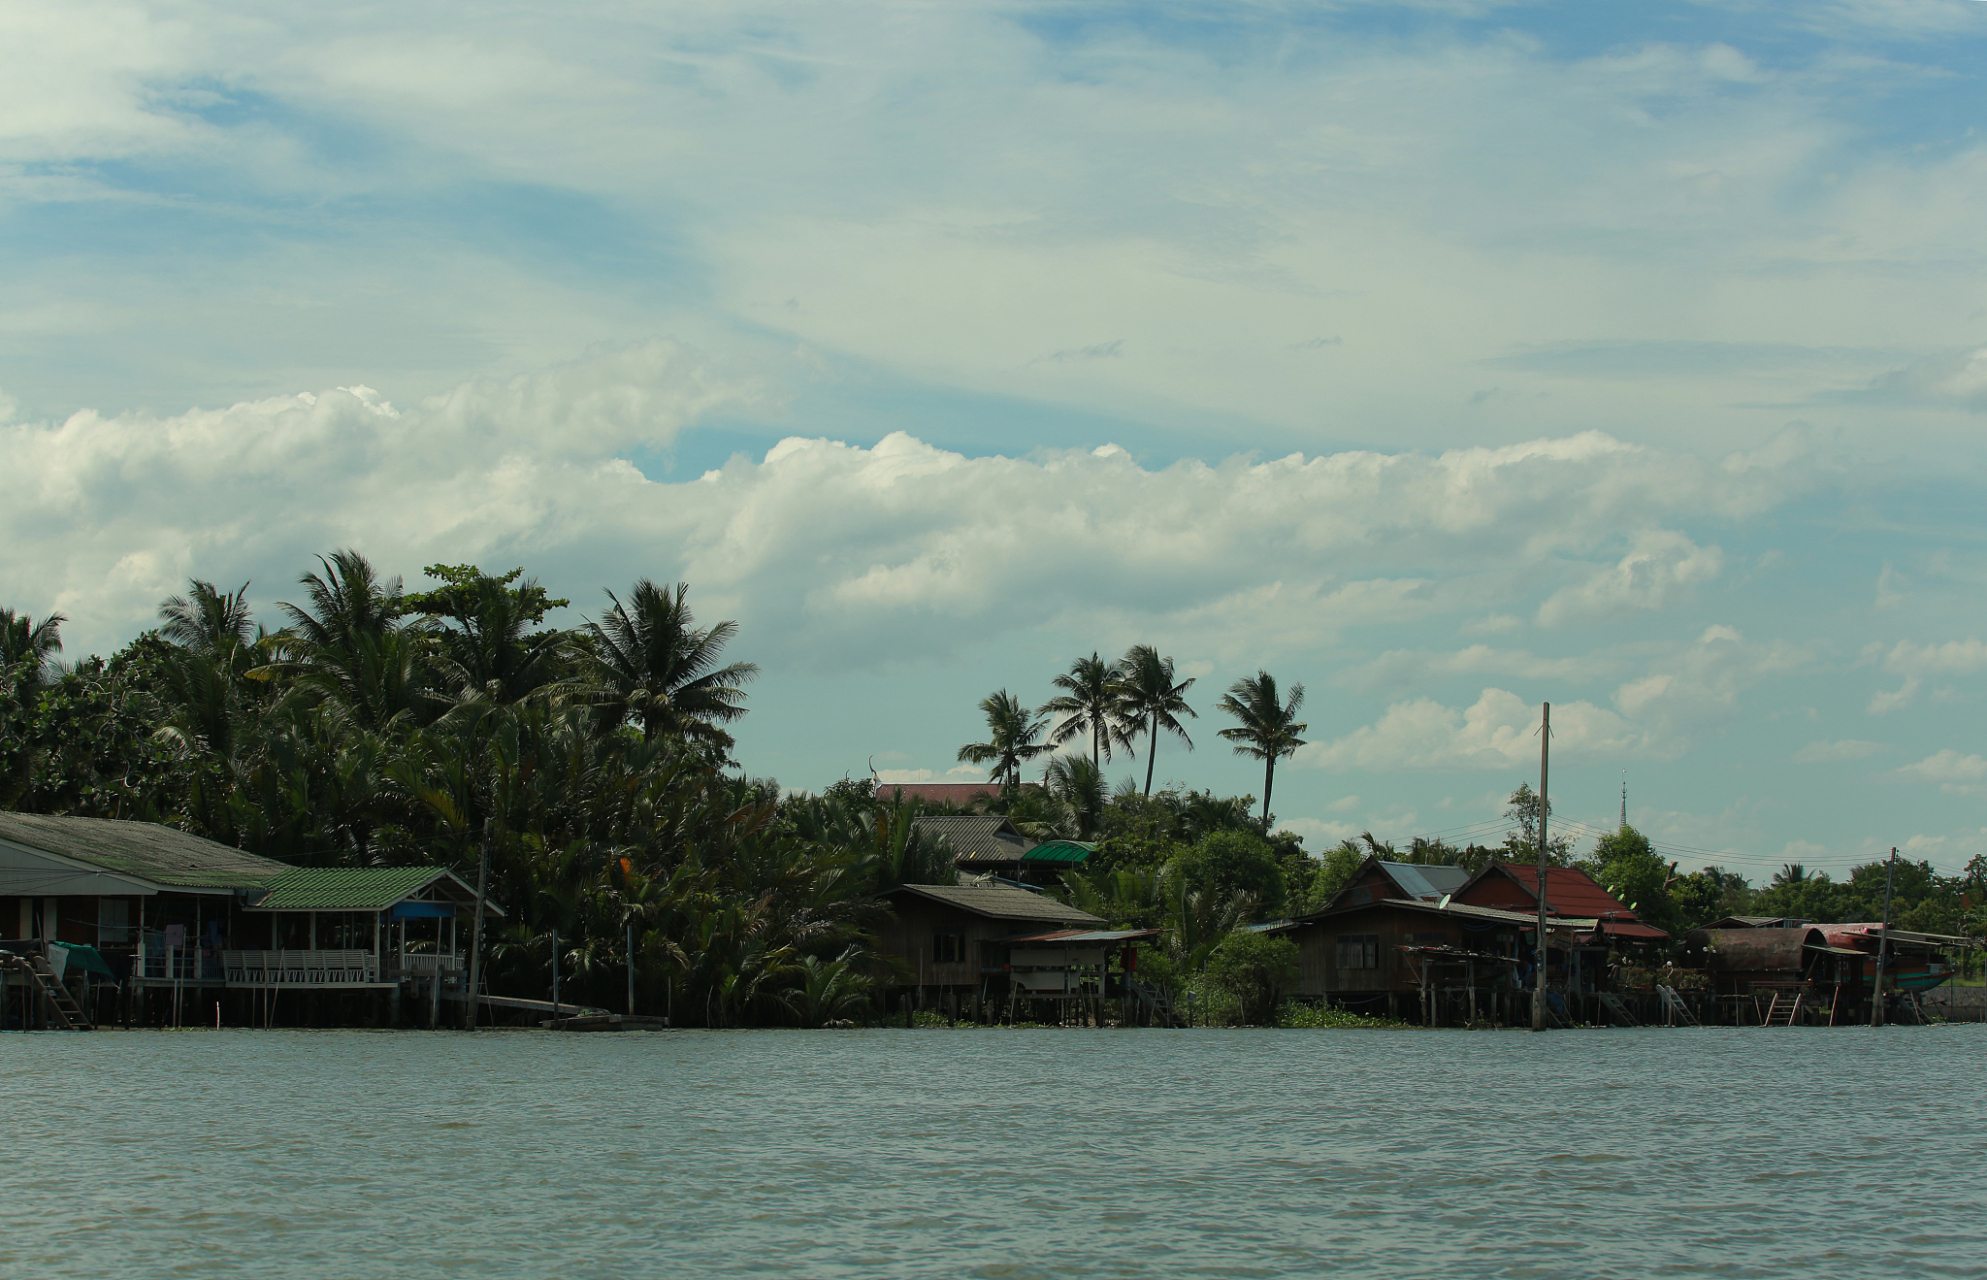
[(1658, 571), (1499, 731), (1920, 662), (1956, 774), (1407, 668), (1685, 688), (827, 552), (1835, 752)]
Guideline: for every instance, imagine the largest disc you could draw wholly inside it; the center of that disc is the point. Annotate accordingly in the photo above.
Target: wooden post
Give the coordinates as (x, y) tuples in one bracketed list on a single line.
[(631, 968), (1538, 975), (476, 938), (555, 973), (1883, 943)]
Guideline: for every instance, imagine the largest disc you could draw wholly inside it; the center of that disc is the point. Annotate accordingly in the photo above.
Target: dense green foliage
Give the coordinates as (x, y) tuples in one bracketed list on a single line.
[(382, 727)]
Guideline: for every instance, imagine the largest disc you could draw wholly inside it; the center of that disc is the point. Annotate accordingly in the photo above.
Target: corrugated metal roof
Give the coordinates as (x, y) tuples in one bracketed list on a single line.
[(999, 902), (1518, 919), (1419, 880), (145, 850), (1569, 891), (1088, 935), (1062, 853), (978, 839), (359, 888)]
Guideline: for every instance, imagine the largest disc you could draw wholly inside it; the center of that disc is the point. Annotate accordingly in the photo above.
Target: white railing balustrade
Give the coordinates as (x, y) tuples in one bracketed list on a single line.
[(298, 968)]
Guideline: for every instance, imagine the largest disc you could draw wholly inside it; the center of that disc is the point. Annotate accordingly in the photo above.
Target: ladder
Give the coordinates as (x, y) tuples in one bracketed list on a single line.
[(1675, 1010), (67, 1014), (1156, 1000), (1784, 1009), (1617, 1010)]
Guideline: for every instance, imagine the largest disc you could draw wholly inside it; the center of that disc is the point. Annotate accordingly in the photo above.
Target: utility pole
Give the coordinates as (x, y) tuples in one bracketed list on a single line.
[(476, 937), (1624, 799), (1538, 971), (1883, 944)]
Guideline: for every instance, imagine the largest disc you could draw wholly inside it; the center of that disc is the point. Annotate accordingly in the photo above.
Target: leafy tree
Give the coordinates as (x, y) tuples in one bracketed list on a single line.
[(1013, 733), (490, 652), (1268, 729), (1152, 700), (1335, 871), (1522, 844), (1625, 865), (1257, 968), (1232, 862), (649, 662)]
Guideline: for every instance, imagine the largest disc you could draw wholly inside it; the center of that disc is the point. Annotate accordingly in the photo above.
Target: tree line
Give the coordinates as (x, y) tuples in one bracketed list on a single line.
[(378, 725)]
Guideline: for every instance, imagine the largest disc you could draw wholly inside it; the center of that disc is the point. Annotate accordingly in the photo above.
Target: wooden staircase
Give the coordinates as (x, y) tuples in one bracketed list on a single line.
[(1785, 1008), (64, 1013)]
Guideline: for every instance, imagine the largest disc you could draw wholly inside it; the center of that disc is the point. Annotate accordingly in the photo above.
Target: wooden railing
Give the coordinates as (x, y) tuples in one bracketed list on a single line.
[(299, 968)]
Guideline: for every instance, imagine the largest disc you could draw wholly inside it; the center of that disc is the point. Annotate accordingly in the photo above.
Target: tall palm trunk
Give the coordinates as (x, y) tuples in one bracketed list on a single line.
[(1151, 755), (1269, 780)]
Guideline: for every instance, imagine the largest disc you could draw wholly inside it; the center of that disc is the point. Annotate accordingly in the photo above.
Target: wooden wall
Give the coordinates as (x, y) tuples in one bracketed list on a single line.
[(1317, 948)]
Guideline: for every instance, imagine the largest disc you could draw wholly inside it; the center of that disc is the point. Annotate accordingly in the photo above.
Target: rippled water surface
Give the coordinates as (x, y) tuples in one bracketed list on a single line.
[(996, 1153)]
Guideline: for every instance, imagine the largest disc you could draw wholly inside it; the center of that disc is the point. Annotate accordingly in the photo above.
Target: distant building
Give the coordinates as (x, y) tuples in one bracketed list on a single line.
[(165, 910), (958, 795)]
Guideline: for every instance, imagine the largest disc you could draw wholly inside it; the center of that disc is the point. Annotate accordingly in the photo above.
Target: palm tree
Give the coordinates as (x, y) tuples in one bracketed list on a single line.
[(1012, 731), (1268, 729), (1079, 785), (648, 661), (1152, 701), (1090, 702), (23, 640), (212, 622)]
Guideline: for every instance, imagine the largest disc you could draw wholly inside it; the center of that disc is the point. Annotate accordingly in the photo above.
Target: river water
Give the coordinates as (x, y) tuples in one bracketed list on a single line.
[(996, 1153)]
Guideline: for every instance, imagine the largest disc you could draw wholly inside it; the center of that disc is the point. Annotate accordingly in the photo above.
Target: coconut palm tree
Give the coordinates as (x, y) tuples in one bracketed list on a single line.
[(1090, 703), (1079, 785), (1012, 738), (1269, 727), (648, 661), (208, 621), (1152, 700), (23, 640)]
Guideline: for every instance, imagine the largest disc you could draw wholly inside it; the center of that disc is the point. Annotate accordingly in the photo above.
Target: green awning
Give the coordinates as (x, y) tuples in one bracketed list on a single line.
[(86, 958), (1059, 853)]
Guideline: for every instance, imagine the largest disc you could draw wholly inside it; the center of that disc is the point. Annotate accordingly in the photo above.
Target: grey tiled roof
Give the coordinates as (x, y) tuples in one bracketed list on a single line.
[(1000, 902), (146, 850), (985, 838)]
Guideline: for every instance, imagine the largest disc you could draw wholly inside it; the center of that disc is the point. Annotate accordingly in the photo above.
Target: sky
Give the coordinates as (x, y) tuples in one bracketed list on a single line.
[(1446, 358)]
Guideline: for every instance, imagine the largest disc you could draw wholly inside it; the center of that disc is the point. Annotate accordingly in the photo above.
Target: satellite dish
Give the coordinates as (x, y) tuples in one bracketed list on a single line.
[(1444, 904)]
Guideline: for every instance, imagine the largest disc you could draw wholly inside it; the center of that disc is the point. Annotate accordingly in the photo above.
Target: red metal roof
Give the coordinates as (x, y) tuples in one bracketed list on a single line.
[(1569, 891), (963, 794)]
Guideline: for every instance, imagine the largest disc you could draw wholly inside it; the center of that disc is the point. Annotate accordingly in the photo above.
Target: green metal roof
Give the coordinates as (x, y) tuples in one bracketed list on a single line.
[(346, 888), (1067, 853), (142, 850)]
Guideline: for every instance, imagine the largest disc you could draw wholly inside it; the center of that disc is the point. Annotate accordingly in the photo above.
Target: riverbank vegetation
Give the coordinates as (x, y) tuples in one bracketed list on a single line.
[(378, 725)]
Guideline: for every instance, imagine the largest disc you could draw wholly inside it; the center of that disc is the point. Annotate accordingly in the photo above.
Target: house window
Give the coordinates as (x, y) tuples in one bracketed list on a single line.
[(948, 946), (113, 922), (1359, 951)]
